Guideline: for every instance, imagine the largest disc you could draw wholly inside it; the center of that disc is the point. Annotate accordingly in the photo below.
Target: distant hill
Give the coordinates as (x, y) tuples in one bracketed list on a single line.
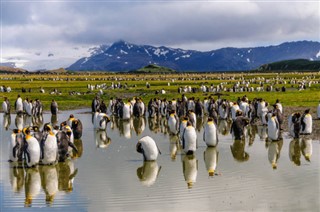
[(154, 69), (122, 56), (7, 69), (292, 65)]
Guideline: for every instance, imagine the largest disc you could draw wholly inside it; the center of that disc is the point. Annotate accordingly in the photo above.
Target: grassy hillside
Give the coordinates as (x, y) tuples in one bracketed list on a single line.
[(292, 65), (154, 69)]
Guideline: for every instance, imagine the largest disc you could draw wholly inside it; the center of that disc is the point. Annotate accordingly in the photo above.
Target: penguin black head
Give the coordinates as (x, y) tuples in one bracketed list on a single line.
[(307, 111)]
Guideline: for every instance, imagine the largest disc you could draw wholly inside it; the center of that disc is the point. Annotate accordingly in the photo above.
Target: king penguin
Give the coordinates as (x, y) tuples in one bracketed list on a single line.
[(189, 139), (148, 148), (31, 149), (210, 134), (49, 146), (16, 146), (273, 127)]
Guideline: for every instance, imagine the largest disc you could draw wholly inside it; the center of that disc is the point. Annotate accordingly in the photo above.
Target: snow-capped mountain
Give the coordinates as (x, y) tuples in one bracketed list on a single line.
[(124, 56)]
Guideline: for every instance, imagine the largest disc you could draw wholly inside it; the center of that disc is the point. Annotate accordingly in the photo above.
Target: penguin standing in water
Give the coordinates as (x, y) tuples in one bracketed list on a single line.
[(183, 125), (126, 111), (48, 146), (273, 127), (238, 126), (306, 123), (18, 104), (6, 106), (189, 139), (16, 146), (148, 148), (173, 122), (210, 134), (31, 149)]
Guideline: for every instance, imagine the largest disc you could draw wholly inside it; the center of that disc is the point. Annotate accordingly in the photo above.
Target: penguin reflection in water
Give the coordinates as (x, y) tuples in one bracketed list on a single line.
[(274, 148), (148, 148), (210, 156), (190, 169), (148, 173), (295, 151)]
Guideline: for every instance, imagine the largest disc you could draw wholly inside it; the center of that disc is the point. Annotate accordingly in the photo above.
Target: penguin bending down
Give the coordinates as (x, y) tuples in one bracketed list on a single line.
[(31, 149), (48, 146), (148, 148), (210, 134), (16, 146), (189, 139)]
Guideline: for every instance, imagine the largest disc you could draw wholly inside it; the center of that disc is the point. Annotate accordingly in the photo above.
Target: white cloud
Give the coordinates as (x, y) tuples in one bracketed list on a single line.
[(205, 25)]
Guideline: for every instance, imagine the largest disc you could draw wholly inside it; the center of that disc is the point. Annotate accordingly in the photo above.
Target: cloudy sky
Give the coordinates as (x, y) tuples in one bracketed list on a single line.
[(51, 34)]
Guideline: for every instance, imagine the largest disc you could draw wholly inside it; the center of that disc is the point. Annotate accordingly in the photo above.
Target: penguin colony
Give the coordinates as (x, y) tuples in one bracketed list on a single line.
[(53, 144)]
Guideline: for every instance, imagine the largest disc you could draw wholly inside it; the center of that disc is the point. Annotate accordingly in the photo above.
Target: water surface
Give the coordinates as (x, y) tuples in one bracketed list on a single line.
[(109, 175)]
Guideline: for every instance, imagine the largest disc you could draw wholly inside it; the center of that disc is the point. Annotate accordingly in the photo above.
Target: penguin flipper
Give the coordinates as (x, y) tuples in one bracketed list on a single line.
[(14, 150)]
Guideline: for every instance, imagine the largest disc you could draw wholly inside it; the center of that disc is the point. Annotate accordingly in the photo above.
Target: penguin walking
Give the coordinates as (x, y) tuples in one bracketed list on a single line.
[(210, 134), (189, 139), (31, 149), (16, 146), (49, 147), (148, 148)]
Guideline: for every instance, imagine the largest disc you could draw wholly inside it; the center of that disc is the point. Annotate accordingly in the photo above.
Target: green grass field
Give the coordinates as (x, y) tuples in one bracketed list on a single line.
[(136, 86)]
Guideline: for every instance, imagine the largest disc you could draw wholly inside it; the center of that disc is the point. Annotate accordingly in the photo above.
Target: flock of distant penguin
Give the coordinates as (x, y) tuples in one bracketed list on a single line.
[(55, 143)]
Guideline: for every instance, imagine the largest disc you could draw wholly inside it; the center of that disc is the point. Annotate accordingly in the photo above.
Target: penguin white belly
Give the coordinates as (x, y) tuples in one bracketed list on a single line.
[(12, 144), (100, 122), (19, 105), (4, 107), (50, 150), (150, 149), (273, 130), (308, 121), (223, 113), (126, 112), (29, 109), (190, 139), (234, 109), (210, 135), (33, 150), (172, 124)]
